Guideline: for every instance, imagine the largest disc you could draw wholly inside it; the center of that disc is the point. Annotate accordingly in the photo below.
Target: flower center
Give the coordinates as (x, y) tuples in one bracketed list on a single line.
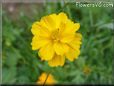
[(55, 35)]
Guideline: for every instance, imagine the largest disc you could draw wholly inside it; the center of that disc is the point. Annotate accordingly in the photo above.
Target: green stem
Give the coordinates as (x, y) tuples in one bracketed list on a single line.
[(63, 7)]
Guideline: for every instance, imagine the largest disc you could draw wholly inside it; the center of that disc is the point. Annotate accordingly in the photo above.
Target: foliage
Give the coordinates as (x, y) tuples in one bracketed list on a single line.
[(22, 65)]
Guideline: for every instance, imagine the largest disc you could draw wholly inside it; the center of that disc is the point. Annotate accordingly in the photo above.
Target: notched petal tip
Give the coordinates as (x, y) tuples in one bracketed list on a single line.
[(63, 16), (77, 26), (34, 28), (72, 54), (57, 61), (78, 35), (62, 13), (47, 52)]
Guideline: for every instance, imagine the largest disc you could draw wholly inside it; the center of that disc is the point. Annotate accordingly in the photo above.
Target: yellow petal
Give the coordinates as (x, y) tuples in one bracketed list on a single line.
[(76, 26), (38, 42), (72, 54), (78, 36), (44, 32), (47, 52), (60, 48), (50, 80), (67, 38), (75, 43), (56, 20), (57, 60), (71, 27), (63, 17), (49, 22), (40, 30), (35, 28)]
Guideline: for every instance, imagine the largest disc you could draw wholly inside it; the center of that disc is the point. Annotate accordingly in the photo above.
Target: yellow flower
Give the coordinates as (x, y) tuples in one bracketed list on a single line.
[(47, 79), (56, 38), (87, 70)]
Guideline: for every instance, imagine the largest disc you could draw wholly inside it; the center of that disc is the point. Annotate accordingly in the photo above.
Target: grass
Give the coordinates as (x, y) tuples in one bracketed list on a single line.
[(22, 65)]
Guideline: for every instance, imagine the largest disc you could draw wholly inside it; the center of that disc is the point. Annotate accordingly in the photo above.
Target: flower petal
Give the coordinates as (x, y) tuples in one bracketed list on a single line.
[(57, 60), (76, 26), (56, 20), (35, 28), (72, 54), (44, 32), (75, 43), (50, 80), (39, 30), (63, 17), (49, 22), (70, 27), (38, 42), (60, 48), (67, 38), (78, 36), (47, 52)]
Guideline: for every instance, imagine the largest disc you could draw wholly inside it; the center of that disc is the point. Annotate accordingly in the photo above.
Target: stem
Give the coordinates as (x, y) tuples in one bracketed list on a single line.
[(63, 7), (46, 78), (91, 18)]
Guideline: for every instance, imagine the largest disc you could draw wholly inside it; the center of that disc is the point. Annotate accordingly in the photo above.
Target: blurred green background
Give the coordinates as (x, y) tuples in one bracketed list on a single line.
[(22, 65)]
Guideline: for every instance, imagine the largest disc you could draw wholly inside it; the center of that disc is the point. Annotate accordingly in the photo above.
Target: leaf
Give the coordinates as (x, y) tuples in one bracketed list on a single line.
[(9, 75), (23, 80), (108, 26)]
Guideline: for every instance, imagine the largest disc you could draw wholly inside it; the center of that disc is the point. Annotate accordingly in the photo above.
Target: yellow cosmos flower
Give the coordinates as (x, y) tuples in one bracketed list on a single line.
[(87, 70), (43, 79), (56, 38)]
